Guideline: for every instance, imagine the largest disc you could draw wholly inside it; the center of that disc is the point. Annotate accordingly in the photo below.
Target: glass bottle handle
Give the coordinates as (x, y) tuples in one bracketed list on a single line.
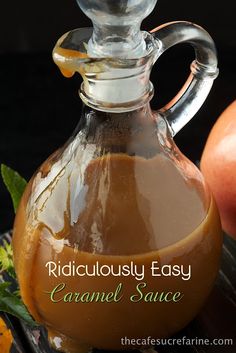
[(180, 110)]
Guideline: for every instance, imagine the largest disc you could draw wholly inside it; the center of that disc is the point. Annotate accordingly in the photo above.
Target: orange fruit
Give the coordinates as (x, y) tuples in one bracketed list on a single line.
[(6, 338)]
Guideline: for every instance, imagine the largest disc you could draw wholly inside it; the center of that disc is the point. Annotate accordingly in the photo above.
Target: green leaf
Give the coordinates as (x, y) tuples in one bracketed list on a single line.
[(6, 259), (15, 184), (12, 304)]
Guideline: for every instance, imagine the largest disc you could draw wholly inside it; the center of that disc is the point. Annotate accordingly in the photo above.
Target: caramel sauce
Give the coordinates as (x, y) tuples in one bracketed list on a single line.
[(129, 209), (64, 57)]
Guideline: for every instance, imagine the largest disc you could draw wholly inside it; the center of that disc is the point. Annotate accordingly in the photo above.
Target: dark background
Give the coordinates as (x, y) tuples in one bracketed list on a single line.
[(39, 108)]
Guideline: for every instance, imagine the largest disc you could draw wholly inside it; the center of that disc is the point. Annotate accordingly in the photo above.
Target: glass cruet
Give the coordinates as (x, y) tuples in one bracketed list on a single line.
[(120, 192)]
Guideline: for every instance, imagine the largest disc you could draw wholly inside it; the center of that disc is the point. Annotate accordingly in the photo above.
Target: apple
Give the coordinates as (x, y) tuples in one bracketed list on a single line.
[(218, 165)]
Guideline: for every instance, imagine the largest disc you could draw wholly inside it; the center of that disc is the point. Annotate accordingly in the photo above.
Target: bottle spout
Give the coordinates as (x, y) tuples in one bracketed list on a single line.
[(110, 84)]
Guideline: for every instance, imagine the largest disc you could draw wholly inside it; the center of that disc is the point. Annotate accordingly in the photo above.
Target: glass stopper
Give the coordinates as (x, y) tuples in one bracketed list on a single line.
[(117, 27)]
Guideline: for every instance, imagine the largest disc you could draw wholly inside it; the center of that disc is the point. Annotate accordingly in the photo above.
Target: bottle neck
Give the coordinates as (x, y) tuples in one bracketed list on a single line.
[(117, 95), (119, 85)]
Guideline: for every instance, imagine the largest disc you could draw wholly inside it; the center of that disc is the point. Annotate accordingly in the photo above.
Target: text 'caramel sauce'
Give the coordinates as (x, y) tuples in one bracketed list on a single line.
[(129, 209)]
